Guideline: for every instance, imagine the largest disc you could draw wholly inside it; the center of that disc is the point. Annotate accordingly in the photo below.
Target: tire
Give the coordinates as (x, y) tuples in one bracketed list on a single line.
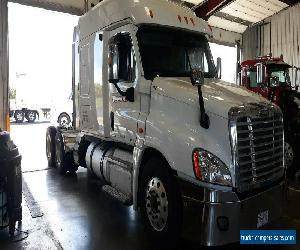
[(19, 116), (64, 160), (50, 146), (160, 202), (291, 158), (64, 120), (30, 116)]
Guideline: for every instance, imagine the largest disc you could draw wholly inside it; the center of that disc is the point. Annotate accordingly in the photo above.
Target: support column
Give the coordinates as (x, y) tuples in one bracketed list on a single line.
[(4, 63), (238, 62)]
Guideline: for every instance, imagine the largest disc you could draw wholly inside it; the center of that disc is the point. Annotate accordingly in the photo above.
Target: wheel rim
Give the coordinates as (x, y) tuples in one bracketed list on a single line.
[(64, 121), (289, 154), (31, 116), (19, 116), (157, 204)]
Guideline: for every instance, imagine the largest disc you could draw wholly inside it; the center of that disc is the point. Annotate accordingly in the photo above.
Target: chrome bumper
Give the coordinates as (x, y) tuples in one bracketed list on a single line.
[(206, 216)]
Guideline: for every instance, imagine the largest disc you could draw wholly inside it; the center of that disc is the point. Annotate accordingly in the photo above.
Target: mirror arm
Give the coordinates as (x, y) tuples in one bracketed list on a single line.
[(122, 93), (129, 93), (204, 118)]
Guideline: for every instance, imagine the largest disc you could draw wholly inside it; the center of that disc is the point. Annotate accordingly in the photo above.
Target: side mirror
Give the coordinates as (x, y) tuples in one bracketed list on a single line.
[(219, 68), (197, 77), (113, 63), (260, 73)]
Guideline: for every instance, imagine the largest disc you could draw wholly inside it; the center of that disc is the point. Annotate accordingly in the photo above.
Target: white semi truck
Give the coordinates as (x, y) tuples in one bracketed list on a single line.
[(162, 132)]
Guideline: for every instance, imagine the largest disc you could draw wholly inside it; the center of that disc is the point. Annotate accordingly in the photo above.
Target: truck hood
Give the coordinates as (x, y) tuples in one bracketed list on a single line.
[(219, 96)]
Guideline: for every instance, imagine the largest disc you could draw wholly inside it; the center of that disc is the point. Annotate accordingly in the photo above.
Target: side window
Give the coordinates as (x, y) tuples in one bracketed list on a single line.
[(121, 59)]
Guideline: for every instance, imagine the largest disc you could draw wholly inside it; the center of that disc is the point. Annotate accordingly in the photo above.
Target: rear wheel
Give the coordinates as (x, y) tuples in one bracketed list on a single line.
[(50, 146), (64, 160), (19, 116), (160, 200), (30, 116)]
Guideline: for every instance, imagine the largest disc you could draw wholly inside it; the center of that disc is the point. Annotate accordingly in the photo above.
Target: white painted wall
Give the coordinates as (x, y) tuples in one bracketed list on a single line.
[(285, 37)]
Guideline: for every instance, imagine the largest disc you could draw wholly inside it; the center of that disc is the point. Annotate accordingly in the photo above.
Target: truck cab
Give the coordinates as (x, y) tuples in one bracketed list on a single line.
[(270, 77), (159, 129), (276, 78)]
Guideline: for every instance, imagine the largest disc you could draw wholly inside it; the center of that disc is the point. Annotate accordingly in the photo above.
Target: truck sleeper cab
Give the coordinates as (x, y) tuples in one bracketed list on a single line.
[(136, 125)]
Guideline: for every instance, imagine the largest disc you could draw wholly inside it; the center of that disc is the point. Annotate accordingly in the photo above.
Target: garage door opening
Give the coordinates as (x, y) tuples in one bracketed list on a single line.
[(40, 48), (229, 59)]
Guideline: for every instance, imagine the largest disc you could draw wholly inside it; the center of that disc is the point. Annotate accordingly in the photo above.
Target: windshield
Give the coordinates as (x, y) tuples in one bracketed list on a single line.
[(169, 52), (279, 76), (252, 79)]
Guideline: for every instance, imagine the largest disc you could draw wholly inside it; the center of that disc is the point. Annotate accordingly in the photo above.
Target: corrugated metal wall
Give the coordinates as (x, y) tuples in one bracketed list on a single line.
[(284, 34)]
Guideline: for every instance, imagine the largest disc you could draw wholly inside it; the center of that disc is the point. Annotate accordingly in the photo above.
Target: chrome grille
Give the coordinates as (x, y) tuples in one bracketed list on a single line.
[(258, 146)]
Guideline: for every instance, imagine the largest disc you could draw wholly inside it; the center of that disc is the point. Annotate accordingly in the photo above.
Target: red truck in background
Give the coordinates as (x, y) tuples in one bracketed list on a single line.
[(269, 77)]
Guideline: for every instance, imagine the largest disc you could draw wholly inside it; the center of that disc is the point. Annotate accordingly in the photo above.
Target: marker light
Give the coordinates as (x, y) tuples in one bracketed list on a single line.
[(186, 20), (192, 20), (197, 169), (151, 13), (179, 18)]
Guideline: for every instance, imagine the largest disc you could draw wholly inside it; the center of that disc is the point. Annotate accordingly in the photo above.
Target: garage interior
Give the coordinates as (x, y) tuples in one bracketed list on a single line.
[(71, 211)]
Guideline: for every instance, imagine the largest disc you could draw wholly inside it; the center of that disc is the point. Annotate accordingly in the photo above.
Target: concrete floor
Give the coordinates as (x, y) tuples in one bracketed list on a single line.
[(75, 214)]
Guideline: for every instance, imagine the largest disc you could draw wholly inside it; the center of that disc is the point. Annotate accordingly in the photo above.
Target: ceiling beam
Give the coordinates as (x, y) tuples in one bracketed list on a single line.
[(290, 2), (209, 7), (233, 18)]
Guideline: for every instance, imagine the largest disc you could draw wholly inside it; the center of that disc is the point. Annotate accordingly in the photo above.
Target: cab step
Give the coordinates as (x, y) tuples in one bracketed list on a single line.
[(125, 199)]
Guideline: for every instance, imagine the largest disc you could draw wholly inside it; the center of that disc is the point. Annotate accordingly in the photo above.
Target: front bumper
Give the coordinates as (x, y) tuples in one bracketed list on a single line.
[(205, 209)]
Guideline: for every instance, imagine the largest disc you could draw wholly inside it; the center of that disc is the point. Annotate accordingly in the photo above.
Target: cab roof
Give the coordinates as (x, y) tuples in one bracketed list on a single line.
[(268, 60), (161, 12)]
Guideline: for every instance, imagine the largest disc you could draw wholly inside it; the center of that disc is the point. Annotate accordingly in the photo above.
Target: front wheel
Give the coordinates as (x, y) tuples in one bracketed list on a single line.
[(160, 200), (291, 158), (288, 154)]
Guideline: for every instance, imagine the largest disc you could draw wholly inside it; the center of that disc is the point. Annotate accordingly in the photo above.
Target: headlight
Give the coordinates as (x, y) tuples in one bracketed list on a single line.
[(209, 168)]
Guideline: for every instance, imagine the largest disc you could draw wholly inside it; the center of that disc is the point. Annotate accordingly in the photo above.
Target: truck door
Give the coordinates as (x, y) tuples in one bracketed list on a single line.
[(122, 75)]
